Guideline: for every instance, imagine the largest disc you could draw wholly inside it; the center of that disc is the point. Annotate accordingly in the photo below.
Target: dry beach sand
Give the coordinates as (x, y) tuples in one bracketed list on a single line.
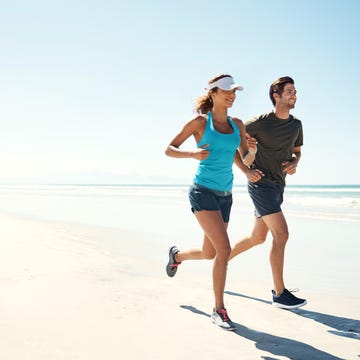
[(71, 291)]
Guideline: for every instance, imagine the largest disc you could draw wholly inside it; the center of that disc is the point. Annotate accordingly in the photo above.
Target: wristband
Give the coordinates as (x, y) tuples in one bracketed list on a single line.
[(252, 152), (249, 158)]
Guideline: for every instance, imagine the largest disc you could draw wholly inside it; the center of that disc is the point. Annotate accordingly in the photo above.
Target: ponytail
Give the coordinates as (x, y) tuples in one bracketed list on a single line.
[(204, 103)]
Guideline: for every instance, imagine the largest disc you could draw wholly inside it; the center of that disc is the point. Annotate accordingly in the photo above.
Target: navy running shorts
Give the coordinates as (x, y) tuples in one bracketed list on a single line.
[(267, 196), (202, 198)]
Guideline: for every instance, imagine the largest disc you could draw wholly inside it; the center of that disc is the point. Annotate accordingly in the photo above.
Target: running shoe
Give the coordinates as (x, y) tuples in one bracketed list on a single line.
[(221, 319), (172, 265), (287, 300)]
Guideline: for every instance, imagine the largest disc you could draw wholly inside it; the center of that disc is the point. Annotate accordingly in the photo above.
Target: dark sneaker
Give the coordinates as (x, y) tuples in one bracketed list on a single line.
[(287, 300), (222, 320), (172, 265)]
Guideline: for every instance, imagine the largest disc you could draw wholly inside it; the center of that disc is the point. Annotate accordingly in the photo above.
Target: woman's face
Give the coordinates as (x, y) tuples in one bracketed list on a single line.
[(224, 98)]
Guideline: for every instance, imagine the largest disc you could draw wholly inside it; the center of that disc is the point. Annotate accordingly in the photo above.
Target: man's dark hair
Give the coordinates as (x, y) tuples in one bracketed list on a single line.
[(278, 86)]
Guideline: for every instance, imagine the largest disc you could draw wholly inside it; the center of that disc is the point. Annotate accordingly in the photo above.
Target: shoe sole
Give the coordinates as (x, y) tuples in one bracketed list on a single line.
[(170, 272), (223, 328), (288, 307)]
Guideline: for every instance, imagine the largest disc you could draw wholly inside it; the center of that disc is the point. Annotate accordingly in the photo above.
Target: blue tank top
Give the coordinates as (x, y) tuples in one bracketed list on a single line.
[(215, 172)]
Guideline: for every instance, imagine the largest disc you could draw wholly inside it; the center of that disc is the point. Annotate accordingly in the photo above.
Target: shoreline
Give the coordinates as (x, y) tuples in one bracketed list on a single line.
[(87, 292)]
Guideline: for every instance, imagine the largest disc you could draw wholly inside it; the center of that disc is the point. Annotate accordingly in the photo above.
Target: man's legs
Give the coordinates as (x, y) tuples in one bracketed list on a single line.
[(257, 237), (277, 225)]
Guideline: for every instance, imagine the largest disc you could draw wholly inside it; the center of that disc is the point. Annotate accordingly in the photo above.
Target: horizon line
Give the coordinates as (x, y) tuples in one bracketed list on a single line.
[(142, 184)]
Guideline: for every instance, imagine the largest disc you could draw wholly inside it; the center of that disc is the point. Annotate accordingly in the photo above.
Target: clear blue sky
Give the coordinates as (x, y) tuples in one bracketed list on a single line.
[(93, 91)]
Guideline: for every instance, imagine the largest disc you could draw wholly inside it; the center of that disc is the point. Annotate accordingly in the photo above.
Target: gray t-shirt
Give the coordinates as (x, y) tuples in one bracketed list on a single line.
[(276, 140)]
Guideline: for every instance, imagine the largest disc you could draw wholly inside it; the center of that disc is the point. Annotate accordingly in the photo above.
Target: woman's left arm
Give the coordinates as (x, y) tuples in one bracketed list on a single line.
[(245, 155), (247, 147)]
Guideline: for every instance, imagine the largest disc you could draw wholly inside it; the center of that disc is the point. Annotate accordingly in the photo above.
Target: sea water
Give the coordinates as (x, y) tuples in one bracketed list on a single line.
[(120, 205)]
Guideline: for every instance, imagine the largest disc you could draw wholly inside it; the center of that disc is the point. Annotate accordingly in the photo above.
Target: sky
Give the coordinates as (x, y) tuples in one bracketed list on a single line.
[(94, 91)]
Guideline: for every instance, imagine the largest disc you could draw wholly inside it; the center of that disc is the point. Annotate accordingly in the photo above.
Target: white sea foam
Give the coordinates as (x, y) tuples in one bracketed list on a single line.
[(328, 202)]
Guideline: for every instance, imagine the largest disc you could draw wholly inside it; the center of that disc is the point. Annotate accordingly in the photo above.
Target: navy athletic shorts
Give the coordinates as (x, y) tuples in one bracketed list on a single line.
[(202, 198), (267, 196)]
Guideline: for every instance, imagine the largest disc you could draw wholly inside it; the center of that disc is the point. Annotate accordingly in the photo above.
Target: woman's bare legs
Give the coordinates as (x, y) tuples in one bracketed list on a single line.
[(206, 253), (216, 246)]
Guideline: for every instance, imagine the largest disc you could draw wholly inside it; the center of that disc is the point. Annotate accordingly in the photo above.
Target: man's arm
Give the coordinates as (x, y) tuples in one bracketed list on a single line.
[(290, 166)]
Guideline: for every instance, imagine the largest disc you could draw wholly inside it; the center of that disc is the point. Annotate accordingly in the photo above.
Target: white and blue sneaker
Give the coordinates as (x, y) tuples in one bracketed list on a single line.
[(287, 300), (221, 319)]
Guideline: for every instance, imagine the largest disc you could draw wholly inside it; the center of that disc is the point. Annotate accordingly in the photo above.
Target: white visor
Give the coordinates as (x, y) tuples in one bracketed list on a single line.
[(225, 83)]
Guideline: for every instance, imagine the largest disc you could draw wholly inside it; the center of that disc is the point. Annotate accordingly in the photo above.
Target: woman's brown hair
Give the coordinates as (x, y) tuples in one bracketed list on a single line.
[(204, 103)]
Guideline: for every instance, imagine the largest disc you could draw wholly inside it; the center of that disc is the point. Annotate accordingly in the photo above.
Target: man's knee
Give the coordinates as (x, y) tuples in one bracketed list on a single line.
[(257, 240)]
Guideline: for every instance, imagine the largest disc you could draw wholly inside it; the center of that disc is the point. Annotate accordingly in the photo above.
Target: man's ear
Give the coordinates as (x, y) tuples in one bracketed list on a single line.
[(276, 97)]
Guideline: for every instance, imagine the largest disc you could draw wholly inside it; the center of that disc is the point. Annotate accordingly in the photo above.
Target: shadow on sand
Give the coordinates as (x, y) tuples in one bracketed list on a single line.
[(276, 345), (342, 326)]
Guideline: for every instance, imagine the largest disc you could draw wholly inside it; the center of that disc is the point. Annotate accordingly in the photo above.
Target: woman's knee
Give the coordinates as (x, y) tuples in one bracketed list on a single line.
[(208, 255), (223, 252), (281, 237)]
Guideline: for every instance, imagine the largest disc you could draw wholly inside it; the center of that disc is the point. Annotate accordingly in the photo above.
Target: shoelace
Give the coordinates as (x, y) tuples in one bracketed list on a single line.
[(293, 290), (223, 314)]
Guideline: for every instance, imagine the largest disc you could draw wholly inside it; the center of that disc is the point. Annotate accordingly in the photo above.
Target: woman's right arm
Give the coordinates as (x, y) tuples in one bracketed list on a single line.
[(193, 127)]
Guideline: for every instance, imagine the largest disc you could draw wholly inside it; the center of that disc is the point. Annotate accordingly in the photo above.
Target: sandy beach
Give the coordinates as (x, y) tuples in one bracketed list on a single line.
[(76, 291)]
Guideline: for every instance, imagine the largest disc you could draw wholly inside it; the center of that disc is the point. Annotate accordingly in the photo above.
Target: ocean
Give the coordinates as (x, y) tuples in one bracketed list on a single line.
[(120, 205)]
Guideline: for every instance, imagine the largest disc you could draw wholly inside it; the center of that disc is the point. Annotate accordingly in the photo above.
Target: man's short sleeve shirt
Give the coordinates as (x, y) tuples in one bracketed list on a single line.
[(276, 140)]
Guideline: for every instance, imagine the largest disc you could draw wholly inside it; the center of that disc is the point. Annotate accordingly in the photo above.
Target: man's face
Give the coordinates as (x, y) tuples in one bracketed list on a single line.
[(288, 97)]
